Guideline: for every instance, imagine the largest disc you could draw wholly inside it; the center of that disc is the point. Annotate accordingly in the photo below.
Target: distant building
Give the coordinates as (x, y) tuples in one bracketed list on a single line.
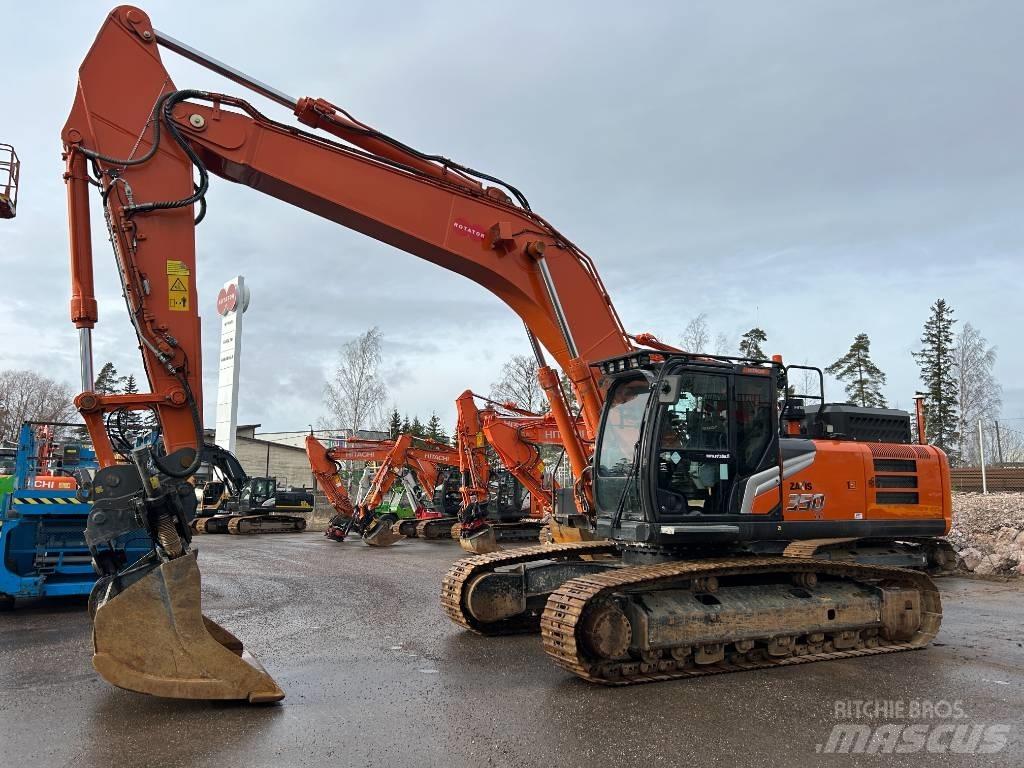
[(329, 437), (269, 458), (282, 454)]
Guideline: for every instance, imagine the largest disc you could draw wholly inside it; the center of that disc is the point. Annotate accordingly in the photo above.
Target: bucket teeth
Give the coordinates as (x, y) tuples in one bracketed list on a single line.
[(153, 638)]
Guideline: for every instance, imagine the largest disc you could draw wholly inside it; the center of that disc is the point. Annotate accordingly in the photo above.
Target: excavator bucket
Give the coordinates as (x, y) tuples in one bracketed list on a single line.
[(379, 533), (152, 638), (565, 534), (480, 542)]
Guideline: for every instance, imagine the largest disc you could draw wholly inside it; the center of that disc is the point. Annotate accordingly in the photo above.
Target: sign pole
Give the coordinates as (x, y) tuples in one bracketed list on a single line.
[(232, 301)]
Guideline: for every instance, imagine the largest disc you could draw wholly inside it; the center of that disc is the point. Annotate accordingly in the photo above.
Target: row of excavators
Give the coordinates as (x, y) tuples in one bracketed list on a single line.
[(490, 486), (715, 521)]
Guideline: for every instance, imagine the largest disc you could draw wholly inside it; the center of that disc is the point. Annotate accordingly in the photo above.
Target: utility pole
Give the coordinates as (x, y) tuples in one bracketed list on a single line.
[(999, 442), (981, 449)]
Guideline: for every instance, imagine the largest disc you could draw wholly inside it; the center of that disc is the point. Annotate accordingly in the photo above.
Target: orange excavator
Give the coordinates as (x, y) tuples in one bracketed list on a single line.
[(737, 532), (418, 463), (514, 434), (424, 467)]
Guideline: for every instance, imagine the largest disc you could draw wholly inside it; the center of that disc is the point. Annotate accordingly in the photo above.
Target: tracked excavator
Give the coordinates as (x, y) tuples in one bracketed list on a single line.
[(419, 464), (514, 435), (246, 505), (731, 540), (424, 468)]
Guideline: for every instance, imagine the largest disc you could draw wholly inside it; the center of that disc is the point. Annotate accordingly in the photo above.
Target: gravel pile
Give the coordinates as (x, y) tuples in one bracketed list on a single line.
[(988, 532)]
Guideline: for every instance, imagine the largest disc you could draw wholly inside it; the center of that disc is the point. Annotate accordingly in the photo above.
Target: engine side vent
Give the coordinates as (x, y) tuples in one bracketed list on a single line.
[(890, 451), (896, 497), (896, 481), (895, 465)]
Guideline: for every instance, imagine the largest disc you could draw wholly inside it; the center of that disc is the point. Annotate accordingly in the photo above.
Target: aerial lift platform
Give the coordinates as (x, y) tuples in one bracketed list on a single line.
[(43, 552)]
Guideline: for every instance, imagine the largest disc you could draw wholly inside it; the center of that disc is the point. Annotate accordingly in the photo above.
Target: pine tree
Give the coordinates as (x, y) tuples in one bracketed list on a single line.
[(108, 382), (416, 428), (406, 426), (863, 378), (750, 344), (131, 422), (395, 424), (434, 429), (938, 374)]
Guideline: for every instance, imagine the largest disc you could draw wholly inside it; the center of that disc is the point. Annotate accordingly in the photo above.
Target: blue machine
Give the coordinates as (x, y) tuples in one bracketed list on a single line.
[(42, 521)]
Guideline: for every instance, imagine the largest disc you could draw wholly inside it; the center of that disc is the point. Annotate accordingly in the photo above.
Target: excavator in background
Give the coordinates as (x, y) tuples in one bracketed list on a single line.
[(427, 457), (10, 172), (428, 472), (246, 505), (226, 483), (420, 465), (729, 541), (514, 435)]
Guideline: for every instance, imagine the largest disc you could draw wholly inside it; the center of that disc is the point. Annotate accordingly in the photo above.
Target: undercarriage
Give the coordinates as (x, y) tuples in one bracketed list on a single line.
[(249, 524), (610, 621)]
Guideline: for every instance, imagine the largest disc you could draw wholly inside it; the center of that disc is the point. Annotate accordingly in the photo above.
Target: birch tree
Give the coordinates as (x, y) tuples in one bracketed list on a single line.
[(356, 395), (979, 395)]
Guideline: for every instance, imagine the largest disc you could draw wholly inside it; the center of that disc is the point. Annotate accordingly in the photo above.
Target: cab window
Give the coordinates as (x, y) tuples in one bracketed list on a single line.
[(753, 416), (693, 447), (615, 453)]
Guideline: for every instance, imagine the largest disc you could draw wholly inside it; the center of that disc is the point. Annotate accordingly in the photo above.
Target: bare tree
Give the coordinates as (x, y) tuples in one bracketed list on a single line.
[(722, 345), (980, 395), (357, 395), (29, 396), (518, 384), (697, 334), (1006, 445)]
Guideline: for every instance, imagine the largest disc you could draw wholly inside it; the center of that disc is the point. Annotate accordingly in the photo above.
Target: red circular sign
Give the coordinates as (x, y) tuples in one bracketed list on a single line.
[(227, 299)]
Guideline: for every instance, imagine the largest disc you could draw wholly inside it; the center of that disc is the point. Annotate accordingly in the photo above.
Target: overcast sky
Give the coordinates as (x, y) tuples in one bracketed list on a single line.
[(818, 169)]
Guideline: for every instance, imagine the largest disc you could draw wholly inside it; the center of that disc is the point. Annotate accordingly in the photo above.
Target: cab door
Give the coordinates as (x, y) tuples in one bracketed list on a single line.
[(717, 441)]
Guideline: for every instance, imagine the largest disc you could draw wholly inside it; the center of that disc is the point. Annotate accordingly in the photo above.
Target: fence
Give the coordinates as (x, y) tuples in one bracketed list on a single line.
[(997, 478)]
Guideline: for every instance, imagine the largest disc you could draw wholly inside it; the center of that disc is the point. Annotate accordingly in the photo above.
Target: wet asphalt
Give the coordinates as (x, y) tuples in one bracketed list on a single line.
[(375, 675)]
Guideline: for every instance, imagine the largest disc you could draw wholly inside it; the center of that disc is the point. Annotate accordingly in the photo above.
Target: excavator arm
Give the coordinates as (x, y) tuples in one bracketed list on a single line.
[(514, 435), (406, 455), (323, 462), (145, 141), (149, 149)]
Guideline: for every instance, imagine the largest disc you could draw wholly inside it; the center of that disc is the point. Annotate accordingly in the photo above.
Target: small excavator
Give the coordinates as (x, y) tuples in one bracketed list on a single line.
[(735, 527), (246, 505), (420, 465)]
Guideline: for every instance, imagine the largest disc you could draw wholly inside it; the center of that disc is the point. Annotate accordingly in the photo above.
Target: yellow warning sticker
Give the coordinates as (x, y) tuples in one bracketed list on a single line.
[(177, 286)]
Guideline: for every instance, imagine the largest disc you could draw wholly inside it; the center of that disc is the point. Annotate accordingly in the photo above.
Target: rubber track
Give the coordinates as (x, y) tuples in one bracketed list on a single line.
[(568, 603), (463, 571)]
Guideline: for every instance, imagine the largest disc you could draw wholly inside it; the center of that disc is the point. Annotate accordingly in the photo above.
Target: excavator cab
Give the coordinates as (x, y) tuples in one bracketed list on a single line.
[(10, 168), (711, 450), (681, 445)]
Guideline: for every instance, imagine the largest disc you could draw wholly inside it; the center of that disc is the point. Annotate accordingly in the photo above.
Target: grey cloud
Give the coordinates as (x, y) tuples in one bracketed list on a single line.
[(818, 169)]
